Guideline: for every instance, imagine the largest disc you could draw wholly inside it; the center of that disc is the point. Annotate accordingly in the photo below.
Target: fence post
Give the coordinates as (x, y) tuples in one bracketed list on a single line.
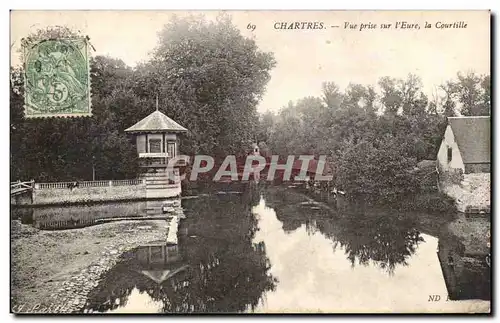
[(110, 183)]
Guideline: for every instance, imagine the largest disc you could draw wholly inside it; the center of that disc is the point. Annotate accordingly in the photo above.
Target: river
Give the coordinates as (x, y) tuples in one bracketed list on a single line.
[(276, 250)]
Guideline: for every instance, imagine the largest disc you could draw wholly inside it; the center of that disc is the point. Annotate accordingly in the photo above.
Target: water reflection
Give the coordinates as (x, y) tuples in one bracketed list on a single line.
[(385, 238), (216, 268), (314, 266), (146, 269), (464, 259), (78, 216), (278, 251)]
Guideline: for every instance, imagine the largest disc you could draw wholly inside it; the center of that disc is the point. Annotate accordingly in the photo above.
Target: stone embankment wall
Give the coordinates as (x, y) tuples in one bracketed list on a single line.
[(94, 191), (472, 194), (21, 199), (88, 194)]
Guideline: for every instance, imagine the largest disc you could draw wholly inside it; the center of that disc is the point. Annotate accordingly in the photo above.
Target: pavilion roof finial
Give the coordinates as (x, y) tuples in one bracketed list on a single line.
[(157, 102)]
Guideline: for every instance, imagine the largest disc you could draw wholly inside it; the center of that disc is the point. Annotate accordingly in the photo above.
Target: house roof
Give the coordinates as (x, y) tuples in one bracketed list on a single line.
[(472, 135), (156, 121)]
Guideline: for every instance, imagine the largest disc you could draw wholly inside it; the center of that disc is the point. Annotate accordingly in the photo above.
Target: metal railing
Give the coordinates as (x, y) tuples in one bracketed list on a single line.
[(21, 186), (127, 182), (66, 185)]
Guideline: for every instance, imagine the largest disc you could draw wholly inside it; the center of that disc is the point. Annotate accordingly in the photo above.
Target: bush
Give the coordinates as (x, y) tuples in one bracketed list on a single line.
[(430, 202), (380, 171)]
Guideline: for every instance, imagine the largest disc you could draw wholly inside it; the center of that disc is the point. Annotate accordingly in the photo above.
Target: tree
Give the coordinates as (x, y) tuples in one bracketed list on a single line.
[(403, 95), (286, 135), (413, 100), (332, 95), (265, 126), (391, 98), (211, 79), (468, 89), (485, 105), (355, 96), (371, 98), (449, 105)]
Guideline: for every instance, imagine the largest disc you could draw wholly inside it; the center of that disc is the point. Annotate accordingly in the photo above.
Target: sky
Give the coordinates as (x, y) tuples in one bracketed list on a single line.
[(305, 57)]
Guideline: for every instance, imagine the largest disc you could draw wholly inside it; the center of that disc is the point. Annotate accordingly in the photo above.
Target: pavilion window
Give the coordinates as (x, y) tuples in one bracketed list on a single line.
[(450, 154), (155, 145), (171, 149)]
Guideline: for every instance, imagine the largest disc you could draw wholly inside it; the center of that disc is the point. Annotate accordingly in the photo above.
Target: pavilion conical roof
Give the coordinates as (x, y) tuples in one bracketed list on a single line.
[(156, 122)]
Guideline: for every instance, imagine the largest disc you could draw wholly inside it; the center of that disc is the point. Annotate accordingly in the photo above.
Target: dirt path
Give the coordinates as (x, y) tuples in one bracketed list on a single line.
[(52, 271)]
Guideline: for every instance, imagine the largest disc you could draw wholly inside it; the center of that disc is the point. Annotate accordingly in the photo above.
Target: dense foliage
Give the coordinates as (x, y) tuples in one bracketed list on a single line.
[(374, 135), (207, 77)]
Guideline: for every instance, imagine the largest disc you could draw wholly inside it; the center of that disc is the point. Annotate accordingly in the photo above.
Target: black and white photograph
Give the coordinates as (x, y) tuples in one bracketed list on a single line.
[(250, 162)]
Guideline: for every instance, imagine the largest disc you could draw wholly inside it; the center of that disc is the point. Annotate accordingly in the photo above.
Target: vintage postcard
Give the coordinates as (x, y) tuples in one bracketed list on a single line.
[(250, 162)]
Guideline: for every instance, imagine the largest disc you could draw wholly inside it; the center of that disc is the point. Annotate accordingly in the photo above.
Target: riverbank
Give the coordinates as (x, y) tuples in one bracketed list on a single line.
[(52, 271), (429, 202), (431, 211), (472, 194)]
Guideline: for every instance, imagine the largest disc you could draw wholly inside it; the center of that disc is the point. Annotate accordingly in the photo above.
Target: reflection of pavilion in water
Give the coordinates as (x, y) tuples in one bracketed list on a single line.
[(465, 270), (159, 262), (215, 268), (156, 269)]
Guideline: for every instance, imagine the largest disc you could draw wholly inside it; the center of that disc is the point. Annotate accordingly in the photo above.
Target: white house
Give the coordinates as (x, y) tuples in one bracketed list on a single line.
[(466, 145)]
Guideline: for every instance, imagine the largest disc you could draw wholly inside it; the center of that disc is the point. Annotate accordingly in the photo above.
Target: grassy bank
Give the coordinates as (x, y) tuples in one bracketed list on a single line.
[(428, 202), (431, 202)]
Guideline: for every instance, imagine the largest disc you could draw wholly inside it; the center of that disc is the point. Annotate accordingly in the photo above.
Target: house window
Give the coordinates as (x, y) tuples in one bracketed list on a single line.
[(155, 145), (449, 154)]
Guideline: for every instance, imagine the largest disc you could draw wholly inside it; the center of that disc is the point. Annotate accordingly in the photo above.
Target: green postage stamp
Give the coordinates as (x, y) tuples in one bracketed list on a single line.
[(57, 78)]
